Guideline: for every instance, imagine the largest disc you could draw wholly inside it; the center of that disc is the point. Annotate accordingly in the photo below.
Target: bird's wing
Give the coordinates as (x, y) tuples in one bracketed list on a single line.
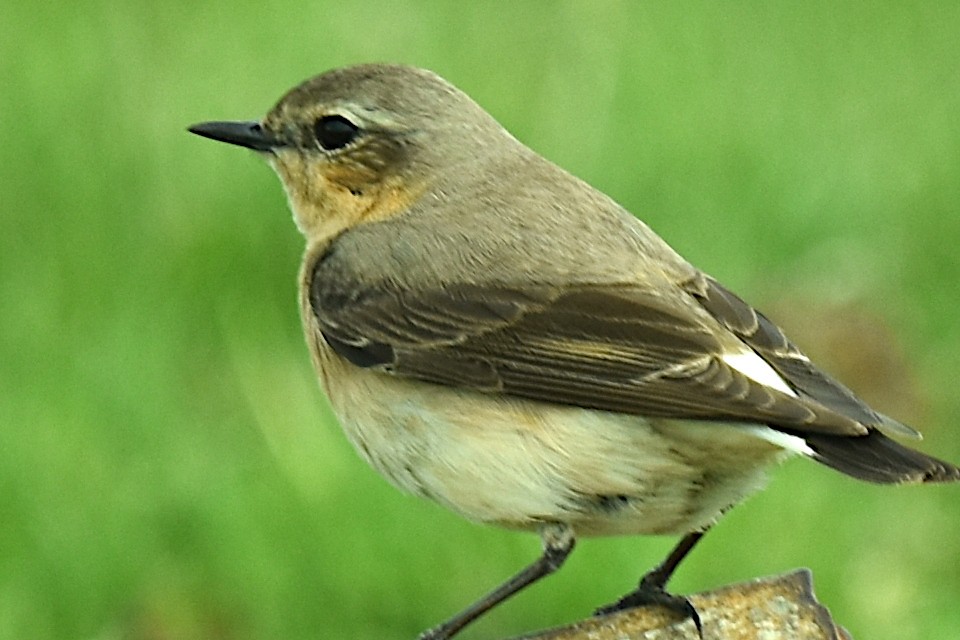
[(621, 348), (770, 343)]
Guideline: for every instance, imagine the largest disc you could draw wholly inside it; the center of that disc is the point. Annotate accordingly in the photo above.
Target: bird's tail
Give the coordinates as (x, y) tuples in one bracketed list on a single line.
[(877, 458)]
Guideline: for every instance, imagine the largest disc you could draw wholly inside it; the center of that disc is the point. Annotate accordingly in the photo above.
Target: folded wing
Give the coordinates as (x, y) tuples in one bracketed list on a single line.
[(623, 348)]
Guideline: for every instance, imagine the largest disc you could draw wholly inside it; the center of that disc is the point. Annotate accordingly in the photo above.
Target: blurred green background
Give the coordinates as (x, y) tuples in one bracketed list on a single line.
[(168, 466)]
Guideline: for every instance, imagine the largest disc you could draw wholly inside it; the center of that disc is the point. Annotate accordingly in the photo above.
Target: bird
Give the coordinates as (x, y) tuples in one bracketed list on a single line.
[(498, 336)]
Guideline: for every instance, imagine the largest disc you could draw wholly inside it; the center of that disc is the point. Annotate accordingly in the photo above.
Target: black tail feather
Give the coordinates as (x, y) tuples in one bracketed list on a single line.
[(876, 458)]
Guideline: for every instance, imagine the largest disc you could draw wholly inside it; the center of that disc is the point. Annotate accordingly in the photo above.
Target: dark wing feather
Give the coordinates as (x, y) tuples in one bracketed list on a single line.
[(616, 348), (772, 345)]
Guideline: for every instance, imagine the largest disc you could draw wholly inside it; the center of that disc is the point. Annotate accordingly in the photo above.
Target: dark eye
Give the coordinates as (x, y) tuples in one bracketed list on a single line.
[(334, 132)]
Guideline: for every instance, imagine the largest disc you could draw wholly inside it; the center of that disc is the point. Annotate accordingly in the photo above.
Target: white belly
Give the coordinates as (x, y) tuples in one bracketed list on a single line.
[(519, 464)]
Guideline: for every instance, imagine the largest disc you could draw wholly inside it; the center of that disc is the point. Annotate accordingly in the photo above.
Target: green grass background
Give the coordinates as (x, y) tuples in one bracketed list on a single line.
[(168, 466)]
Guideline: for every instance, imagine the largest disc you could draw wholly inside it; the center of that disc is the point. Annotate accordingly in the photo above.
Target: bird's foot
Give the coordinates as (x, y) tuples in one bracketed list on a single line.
[(650, 592)]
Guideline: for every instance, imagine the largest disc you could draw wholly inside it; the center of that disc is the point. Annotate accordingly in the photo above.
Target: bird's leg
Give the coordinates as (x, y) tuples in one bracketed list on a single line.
[(652, 588), (558, 542)]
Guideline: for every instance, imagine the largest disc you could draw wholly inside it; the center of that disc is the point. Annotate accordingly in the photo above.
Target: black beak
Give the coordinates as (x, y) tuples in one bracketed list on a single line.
[(244, 134)]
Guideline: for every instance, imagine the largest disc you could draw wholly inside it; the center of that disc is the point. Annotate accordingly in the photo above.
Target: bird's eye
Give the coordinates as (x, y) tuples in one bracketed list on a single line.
[(334, 132)]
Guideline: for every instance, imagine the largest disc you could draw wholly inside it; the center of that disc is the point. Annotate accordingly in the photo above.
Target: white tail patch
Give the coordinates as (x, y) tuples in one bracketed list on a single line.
[(788, 442), (756, 368)]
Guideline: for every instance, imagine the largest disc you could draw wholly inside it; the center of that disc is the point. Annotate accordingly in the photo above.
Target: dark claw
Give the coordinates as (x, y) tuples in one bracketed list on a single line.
[(653, 587), (647, 595)]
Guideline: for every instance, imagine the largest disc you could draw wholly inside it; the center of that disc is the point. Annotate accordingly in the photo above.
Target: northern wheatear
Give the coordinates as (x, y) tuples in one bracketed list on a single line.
[(498, 336)]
